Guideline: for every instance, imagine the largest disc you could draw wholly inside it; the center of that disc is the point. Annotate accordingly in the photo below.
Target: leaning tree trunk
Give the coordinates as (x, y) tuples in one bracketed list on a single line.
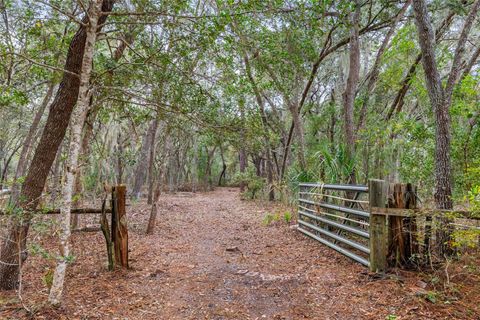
[(224, 168), (78, 119), (52, 136), (27, 144)]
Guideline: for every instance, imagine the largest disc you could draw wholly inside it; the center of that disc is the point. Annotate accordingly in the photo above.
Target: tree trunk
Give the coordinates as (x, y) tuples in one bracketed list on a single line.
[(350, 89), (298, 128), (83, 153), (151, 160), (440, 100), (153, 213), (195, 165), (224, 168), (141, 169), (56, 175), (120, 164), (242, 154), (27, 144), (208, 170), (78, 119), (53, 134), (6, 164)]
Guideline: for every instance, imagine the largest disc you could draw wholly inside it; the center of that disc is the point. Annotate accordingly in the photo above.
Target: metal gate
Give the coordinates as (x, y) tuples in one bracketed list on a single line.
[(335, 215)]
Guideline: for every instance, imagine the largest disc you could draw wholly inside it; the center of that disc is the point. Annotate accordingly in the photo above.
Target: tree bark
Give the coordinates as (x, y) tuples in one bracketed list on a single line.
[(142, 166), (151, 160), (351, 88), (27, 144), (119, 152), (78, 119), (299, 133), (242, 154), (83, 153), (224, 168), (52, 136), (195, 165), (440, 99), (153, 213)]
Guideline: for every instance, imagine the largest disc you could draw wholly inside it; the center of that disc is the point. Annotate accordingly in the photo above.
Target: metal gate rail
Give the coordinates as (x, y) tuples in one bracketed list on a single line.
[(331, 228)]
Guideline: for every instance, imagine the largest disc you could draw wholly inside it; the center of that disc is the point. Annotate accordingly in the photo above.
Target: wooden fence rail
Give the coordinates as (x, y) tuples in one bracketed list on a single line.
[(116, 234), (73, 211)]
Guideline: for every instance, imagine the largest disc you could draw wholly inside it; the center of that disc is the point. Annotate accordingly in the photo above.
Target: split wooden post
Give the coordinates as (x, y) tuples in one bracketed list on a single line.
[(403, 244), (377, 190), (119, 225)]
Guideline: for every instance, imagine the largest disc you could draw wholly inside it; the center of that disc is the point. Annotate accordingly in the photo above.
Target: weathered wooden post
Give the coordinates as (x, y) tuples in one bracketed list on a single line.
[(403, 244), (377, 190), (119, 225)]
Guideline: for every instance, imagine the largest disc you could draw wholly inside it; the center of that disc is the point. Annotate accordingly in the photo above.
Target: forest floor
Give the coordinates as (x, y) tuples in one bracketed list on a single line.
[(212, 257)]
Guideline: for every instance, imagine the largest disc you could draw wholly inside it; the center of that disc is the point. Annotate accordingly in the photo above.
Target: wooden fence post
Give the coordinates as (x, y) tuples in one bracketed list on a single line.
[(378, 226), (119, 225), (403, 244)]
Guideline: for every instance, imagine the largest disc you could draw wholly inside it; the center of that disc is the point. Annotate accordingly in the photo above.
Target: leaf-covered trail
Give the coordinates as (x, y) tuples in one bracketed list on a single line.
[(211, 257)]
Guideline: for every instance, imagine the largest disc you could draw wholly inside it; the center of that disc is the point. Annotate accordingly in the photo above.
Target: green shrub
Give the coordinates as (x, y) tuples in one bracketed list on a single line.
[(253, 184), (47, 278), (268, 219), (287, 216)]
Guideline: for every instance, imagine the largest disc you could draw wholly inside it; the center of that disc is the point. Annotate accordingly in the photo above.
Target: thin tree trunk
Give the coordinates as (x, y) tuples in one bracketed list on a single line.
[(27, 144), (78, 119), (333, 122), (350, 89), (56, 175), (119, 158), (151, 160), (83, 152), (224, 168), (242, 154), (208, 169), (298, 128), (195, 165), (142, 166), (7, 164), (153, 212)]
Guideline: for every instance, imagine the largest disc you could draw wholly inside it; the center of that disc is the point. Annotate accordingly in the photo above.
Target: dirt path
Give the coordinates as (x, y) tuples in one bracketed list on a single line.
[(211, 257)]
